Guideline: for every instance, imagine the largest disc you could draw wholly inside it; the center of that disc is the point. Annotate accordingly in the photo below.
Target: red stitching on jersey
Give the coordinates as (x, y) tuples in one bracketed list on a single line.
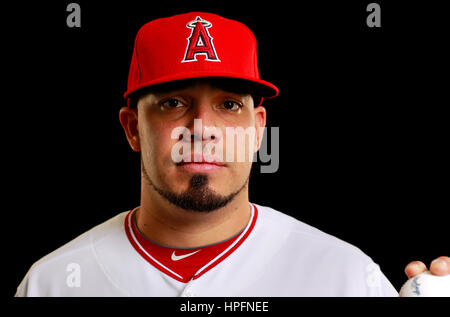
[(144, 255), (233, 248)]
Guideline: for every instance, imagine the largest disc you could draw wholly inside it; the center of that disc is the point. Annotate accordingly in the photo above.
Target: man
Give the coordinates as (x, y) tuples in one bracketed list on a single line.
[(193, 90)]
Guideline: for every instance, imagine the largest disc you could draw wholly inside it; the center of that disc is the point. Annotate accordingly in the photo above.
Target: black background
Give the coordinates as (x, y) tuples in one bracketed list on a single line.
[(361, 111)]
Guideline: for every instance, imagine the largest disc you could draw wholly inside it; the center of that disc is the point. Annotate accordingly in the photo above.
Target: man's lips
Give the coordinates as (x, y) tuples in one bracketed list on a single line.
[(201, 164), (201, 159)]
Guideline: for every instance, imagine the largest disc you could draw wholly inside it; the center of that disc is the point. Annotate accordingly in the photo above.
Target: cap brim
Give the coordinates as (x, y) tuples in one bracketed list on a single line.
[(258, 87)]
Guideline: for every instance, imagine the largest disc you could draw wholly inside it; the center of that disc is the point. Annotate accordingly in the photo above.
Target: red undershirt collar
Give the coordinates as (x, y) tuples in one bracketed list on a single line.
[(184, 264)]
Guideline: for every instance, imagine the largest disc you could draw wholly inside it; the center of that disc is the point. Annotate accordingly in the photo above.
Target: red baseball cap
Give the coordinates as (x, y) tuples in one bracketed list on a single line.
[(195, 45)]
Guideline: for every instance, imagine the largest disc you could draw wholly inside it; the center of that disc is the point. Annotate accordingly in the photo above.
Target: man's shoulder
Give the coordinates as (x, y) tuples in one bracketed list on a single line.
[(84, 241), (300, 254), (78, 253), (297, 232)]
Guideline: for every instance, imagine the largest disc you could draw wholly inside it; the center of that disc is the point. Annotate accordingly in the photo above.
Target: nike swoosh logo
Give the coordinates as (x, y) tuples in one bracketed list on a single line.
[(180, 257)]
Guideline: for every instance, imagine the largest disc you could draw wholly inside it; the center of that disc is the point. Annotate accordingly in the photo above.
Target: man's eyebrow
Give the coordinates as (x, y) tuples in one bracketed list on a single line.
[(160, 90)]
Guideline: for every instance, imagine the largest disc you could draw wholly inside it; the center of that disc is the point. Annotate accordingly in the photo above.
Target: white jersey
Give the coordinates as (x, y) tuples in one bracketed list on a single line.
[(275, 255)]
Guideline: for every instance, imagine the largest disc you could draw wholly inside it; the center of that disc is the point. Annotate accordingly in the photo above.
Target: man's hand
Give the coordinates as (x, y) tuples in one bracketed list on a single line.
[(439, 266)]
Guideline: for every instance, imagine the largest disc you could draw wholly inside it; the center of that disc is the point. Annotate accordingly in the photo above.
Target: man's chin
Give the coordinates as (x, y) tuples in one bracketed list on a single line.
[(200, 195)]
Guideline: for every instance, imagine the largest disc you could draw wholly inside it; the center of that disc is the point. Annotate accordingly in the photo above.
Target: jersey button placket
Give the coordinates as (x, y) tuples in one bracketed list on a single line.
[(188, 290)]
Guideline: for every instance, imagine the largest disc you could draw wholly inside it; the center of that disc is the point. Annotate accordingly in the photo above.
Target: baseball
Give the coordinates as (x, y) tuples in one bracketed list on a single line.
[(426, 285)]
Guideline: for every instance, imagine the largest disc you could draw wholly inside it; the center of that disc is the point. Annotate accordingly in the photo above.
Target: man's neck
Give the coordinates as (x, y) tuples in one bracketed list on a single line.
[(168, 225)]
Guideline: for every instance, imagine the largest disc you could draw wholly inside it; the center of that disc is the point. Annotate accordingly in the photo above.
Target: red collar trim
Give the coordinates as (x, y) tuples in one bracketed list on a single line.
[(142, 247)]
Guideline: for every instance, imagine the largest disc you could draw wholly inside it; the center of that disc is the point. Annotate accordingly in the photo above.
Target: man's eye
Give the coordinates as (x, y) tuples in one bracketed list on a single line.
[(171, 103), (232, 106)]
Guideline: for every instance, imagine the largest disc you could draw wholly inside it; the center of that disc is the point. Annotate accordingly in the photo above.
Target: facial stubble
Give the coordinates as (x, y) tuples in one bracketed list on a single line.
[(198, 197)]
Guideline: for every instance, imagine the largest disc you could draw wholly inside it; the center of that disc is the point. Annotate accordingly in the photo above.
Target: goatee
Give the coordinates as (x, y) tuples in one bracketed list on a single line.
[(199, 196)]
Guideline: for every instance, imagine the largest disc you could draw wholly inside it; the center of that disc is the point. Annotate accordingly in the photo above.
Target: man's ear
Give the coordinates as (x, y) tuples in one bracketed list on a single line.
[(129, 120), (260, 123)]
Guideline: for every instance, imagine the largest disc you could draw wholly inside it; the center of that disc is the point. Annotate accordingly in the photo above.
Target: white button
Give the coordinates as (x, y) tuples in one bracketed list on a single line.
[(189, 293)]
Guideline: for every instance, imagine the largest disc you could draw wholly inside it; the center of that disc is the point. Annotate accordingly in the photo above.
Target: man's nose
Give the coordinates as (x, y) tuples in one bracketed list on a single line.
[(204, 125)]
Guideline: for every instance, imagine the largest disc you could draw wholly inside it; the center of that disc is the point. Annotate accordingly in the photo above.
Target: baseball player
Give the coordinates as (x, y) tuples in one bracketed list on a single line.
[(195, 233)]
